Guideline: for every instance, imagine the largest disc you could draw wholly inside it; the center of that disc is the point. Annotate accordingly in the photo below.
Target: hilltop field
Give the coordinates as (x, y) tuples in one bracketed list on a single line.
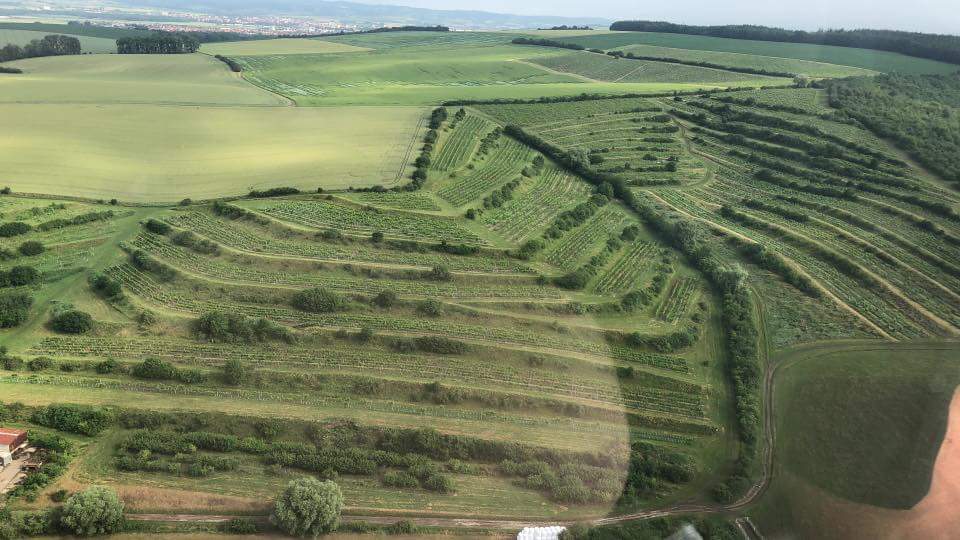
[(668, 286)]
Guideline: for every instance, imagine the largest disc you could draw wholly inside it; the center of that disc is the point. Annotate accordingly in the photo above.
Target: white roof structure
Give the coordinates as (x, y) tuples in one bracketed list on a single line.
[(541, 533)]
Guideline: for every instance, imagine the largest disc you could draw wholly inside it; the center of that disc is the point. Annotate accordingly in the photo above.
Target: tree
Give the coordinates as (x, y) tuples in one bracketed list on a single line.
[(308, 508), (94, 511), (31, 248), (801, 81)]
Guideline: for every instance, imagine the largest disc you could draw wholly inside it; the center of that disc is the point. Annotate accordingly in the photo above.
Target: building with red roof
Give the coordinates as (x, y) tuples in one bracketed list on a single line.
[(12, 442)]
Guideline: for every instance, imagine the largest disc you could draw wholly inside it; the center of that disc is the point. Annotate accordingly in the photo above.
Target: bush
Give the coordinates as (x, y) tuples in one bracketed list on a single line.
[(14, 309), (318, 300), (234, 372), (106, 367), (40, 363), (400, 479), (308, 508), (14, 228), (157, 227), (105, 286), (31, 248), (430, 308), (19, 276), (233, 327), (385, 299), (72, 322), (439, 483), (81, 419), (154, 369), (91, 512), (439, 273), (240, 526)]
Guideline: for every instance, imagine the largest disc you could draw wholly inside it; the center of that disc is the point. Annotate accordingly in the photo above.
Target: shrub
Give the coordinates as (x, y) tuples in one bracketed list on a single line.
[(400, 479), (439, 273), (81, 419), (402, 527), (14, 228), (318, 300), (430, 308), (19, 276), (308, 508), (385, 299), (439, 483), (40, 363), (240, 526), (234, 372), (31, 248), (105, 286), (155, 369), (94, 511), (14, 309), (157, 226), (59, 495), (106, 367), (72, 322), (233, 327)]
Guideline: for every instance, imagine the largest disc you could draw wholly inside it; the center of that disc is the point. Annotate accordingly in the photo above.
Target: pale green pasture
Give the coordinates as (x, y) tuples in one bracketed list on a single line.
[(154, 153), (193, 79)]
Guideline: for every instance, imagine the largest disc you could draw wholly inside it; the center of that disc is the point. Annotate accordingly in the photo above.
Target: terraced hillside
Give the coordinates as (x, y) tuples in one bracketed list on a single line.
[(425, 359)]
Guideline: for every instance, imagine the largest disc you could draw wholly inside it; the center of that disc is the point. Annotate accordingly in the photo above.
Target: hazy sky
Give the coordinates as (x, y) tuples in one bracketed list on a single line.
[(942, 16)]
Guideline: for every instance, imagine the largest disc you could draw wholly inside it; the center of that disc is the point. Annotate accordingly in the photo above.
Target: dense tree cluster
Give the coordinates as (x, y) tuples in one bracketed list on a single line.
[(547, 43), (945, 48), (159, 43), (232, 64), (422, 163), (52, 45), (920, 113)]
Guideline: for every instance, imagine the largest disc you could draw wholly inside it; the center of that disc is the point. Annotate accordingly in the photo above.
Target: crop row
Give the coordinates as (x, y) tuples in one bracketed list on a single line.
[(220, 271), (503, 165), (426, 368), (554, 192), (350, 219), (458, 146), (575, 245), (311, 400), (678, 300), (403, 200), (143, 285), (623, 274), (539, 116), (865, 300), (242, 237)]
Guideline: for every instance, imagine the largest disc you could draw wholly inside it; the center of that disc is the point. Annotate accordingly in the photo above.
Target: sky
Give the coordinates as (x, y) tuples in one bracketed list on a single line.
[(939, 16)]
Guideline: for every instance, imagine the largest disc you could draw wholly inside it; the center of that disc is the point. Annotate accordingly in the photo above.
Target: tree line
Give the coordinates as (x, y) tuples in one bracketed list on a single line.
[(944, 48), (52, 45), (159, 43)]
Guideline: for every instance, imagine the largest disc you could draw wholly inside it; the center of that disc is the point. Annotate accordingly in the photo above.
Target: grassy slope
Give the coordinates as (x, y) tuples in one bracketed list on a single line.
[(109, 79), (847, 56), (97, 152), (87, 44), (862, 422), (276, 46)]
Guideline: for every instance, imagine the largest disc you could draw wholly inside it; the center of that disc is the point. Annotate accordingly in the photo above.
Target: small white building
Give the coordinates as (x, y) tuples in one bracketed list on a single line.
[(541, 533)]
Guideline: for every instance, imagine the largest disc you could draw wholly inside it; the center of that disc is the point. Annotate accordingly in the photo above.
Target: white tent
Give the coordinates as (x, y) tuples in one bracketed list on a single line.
[(541, 533)]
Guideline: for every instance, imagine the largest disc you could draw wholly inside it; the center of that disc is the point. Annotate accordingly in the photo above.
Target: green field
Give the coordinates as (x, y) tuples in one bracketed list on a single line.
[(858, 424), (150, 79), (269, 47), (423, 69), (843, 56), (605, 68), (105, 151), (87, 44), (752, 61)]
